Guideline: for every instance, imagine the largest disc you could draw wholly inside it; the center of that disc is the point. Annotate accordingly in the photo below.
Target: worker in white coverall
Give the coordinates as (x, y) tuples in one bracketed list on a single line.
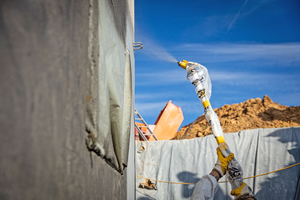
[(207, 187)]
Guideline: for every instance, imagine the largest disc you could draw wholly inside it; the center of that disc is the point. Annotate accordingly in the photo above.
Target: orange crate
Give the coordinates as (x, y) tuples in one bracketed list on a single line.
[(168, 122)]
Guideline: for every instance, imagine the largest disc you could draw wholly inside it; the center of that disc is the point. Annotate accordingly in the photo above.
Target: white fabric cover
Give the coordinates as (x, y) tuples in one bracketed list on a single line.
[(258, 151)]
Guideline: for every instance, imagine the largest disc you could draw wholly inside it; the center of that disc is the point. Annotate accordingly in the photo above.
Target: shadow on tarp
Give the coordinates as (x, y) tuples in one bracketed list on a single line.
[(187, 177), (286, 183), (187, 189)]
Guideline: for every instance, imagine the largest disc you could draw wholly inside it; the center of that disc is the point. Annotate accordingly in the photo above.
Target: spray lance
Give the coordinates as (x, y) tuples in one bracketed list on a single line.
[(198, 75)]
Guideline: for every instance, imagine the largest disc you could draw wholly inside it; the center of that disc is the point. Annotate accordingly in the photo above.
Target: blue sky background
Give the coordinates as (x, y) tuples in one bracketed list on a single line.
[(250, 48)]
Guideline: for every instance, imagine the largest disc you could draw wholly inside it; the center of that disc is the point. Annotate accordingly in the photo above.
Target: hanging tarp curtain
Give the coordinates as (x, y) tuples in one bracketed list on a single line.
[(109, 97)]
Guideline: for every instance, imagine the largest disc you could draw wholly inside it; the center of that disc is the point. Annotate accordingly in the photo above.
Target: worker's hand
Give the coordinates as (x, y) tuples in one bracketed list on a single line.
[(222, 162), (243, 189)]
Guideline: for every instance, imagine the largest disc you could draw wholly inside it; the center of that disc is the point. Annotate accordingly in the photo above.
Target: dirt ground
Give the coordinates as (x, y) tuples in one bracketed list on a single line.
[(251, 114)]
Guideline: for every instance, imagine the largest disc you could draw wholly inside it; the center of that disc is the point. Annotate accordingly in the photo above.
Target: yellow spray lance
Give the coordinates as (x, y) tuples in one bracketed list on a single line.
[(198, 75)]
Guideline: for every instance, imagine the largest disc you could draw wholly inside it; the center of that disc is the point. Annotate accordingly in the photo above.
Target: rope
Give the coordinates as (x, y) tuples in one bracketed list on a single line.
[(165, 181), (222, 181)]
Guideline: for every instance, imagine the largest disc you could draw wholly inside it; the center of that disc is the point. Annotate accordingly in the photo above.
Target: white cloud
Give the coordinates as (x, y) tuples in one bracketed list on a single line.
[(150, 108), (252, 78), (175, 77), (161, 77), (144, 96), (286, 54)]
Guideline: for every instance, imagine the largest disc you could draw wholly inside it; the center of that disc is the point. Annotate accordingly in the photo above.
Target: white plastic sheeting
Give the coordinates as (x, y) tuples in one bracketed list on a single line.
[(110, 84), (186, 161)]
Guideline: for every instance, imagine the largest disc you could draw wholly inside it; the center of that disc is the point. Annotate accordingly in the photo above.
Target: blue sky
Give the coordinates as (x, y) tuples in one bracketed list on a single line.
[(250, 48)]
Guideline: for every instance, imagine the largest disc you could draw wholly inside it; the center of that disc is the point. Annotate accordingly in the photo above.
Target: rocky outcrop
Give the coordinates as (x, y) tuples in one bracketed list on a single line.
[(251, 114)]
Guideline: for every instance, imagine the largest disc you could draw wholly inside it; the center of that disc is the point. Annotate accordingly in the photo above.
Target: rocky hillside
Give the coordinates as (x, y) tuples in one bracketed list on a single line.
[(251, 114)]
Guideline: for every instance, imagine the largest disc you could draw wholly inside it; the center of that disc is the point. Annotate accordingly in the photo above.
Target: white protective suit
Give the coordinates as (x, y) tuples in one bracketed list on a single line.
[(205, 189)]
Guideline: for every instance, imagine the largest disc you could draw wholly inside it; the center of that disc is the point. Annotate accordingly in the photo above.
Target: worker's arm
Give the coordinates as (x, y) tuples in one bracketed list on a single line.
[(207, 187)]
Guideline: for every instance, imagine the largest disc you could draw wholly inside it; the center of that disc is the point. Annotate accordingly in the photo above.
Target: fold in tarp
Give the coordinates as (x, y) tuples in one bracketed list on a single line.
[(110, 86), (186, 161)]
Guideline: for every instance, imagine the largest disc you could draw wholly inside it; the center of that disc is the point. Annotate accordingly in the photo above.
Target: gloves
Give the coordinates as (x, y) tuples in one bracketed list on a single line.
[(221, 164), (243, 189)]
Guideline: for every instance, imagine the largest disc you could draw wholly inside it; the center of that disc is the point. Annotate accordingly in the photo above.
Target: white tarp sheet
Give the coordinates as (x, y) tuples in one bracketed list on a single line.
[(186, 161), (110, 84)]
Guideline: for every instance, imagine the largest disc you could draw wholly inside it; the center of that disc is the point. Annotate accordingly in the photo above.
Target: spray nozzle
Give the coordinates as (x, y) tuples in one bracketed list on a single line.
[(182, 63)]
